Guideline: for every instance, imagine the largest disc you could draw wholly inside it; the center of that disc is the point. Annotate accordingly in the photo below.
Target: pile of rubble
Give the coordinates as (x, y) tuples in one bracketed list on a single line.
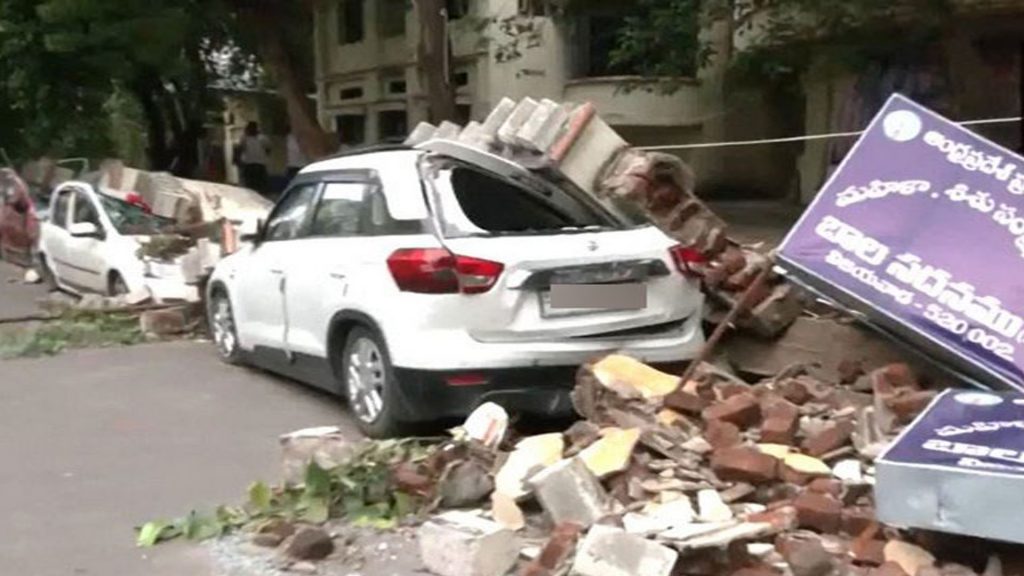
[(712, 476), (570, 143)]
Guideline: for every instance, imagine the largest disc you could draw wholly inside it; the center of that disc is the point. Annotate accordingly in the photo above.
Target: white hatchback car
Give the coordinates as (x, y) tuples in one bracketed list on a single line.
[(417, 284), (90, 243)]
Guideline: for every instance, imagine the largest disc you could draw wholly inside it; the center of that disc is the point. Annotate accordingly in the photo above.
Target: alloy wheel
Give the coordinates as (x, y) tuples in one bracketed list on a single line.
[(365, 379), (224, 327)]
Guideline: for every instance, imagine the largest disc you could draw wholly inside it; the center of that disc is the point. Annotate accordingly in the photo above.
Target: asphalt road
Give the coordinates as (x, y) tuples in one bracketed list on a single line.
[(17, 299), (95, 442)]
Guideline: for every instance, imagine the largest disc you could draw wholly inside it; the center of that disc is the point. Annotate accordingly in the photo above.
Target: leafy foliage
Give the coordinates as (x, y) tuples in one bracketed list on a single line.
[(361, 490), (75, 329)]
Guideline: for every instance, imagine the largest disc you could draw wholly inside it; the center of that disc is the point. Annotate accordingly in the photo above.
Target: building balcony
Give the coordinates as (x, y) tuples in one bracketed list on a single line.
[(636, 101)]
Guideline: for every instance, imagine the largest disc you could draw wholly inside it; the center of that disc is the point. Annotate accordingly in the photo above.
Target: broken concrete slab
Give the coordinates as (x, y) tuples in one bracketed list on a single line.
[(569, 492), (531, 455), (630, 378), (612, 452), (464, 544), (326, 445), (610, 551)]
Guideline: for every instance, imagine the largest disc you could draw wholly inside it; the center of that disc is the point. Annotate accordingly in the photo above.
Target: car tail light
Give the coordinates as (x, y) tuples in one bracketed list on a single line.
[(438, 271), (461, 380), (689, 260)]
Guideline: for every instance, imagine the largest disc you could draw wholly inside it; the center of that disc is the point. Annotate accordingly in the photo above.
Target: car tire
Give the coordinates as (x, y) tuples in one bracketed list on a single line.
[(369, 385), (221, 318), (117, 287)]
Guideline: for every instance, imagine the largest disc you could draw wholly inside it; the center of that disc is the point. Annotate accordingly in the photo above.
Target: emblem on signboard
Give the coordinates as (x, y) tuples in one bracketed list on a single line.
[(902, 125)]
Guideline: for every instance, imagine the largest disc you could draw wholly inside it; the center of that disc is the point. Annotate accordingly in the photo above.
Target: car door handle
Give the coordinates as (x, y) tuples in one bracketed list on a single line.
[(278, 272), (338, 275)]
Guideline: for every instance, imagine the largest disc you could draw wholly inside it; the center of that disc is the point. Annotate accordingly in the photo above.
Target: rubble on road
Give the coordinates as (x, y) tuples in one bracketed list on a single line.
[(628, 491)]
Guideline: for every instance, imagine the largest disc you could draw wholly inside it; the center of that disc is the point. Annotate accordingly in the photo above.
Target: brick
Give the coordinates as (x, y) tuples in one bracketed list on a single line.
[(897, 375), (610, 551), (556, 550), (829, 486), (731, 389), (722, 434), (819, 512), (857, 519), (783, 518), (869, 552), (829, 439), (781, 420), (569, 492), (463, 544), (907, 404), (850, 370), (795, 391), (742, 410), (759, 569), (807, 557), (744, 464), (685, 402), (166, 322)]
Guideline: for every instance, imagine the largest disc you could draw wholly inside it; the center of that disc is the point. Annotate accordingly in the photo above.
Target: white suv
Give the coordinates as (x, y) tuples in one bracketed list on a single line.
[(417, 284)]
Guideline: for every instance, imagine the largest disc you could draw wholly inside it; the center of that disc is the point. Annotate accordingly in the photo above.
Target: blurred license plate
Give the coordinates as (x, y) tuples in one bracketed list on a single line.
[(579, 299)]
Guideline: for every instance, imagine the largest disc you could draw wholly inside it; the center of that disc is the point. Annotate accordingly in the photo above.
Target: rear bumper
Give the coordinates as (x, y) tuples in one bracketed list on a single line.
[(427, 395), (456, 350)]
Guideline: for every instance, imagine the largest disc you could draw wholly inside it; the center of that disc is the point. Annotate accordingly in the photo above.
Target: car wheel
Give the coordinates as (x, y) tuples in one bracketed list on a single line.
[(369, 384), (222, 326), (117, 285)]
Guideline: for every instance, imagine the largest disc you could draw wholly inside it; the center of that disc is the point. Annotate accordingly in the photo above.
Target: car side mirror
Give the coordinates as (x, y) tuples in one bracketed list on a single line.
[(85, 230)]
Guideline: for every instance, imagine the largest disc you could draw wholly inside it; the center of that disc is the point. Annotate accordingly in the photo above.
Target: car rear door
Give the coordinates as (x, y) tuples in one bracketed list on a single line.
[(54, 236), (543, 236)]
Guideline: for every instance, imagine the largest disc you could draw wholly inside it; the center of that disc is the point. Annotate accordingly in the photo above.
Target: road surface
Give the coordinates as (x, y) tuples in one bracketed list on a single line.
[(17, 299), (95, 442)]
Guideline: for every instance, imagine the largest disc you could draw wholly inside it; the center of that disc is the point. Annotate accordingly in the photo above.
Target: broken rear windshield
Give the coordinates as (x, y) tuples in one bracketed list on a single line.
[(131, 220), (475, 202)]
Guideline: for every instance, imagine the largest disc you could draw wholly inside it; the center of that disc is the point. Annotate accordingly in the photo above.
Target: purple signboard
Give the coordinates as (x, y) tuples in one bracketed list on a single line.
[(967, 431), (922, 229)]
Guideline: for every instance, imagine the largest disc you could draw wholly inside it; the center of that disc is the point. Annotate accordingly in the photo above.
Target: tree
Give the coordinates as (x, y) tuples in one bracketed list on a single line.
[(279, 31), (434, 59)]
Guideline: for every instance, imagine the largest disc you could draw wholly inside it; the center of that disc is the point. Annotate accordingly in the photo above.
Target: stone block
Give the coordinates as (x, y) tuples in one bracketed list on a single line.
[(744, 464), (741, 409), (610, 551), (569, 492), (464, 544), (326, 445)]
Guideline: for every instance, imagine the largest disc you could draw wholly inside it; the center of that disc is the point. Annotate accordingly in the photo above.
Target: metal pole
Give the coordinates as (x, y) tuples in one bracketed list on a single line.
[(740, 307)]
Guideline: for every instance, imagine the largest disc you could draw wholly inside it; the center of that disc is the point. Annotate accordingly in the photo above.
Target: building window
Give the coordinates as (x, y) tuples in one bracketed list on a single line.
[(394, 124), (351, 93), (391, 18), (350, 21), (351, 129), (395, 87), (460, 79), (457, 9), (463, 114)]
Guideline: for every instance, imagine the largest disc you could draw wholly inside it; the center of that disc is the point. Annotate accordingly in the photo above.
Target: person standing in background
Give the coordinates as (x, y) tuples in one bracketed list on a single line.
[(296, 159), (253, 155)]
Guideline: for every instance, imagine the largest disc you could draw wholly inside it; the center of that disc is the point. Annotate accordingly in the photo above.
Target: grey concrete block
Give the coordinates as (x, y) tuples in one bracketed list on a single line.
[(610, 551), (569, 492), (464, 544)]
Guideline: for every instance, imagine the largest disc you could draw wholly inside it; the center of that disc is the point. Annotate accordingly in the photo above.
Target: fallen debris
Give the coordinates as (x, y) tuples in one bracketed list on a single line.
[(464, 544)]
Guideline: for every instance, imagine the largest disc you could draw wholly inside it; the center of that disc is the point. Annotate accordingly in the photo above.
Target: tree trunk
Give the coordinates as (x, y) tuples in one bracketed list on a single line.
[(146, 90), (314, 141), (434, 60)]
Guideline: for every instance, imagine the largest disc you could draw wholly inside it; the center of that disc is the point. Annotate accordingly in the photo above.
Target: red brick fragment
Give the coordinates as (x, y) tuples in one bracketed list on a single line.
[(819, 512), (685, 402), (787, 474), (722, 434), (757, 570), (744, 465), (783, 518), (829, 486), (856, 520), (556, 551), (829, 439), (726, 391), (795, 391), (781, 420), (741, 410), (868, 552), (849, 371), (906, 405)]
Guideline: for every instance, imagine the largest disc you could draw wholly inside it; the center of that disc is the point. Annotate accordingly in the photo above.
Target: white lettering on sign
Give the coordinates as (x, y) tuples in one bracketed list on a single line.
[(975, 450), (878, 189), (955, 307), (965, 156), (973, 427)]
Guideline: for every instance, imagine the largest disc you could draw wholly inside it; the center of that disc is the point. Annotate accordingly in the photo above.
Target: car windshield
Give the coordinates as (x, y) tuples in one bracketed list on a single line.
[(129, 219), (476, 202)]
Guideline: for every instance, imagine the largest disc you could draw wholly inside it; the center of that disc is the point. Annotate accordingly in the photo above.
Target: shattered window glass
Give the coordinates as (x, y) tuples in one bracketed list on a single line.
[(129, 219), (474, 202)]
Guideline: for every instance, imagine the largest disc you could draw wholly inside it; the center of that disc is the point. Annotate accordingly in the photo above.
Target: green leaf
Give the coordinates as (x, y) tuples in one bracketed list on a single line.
[(318, 480), (151, 533), (259, 497), (405, 504), (316, 510), (197, 527)]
